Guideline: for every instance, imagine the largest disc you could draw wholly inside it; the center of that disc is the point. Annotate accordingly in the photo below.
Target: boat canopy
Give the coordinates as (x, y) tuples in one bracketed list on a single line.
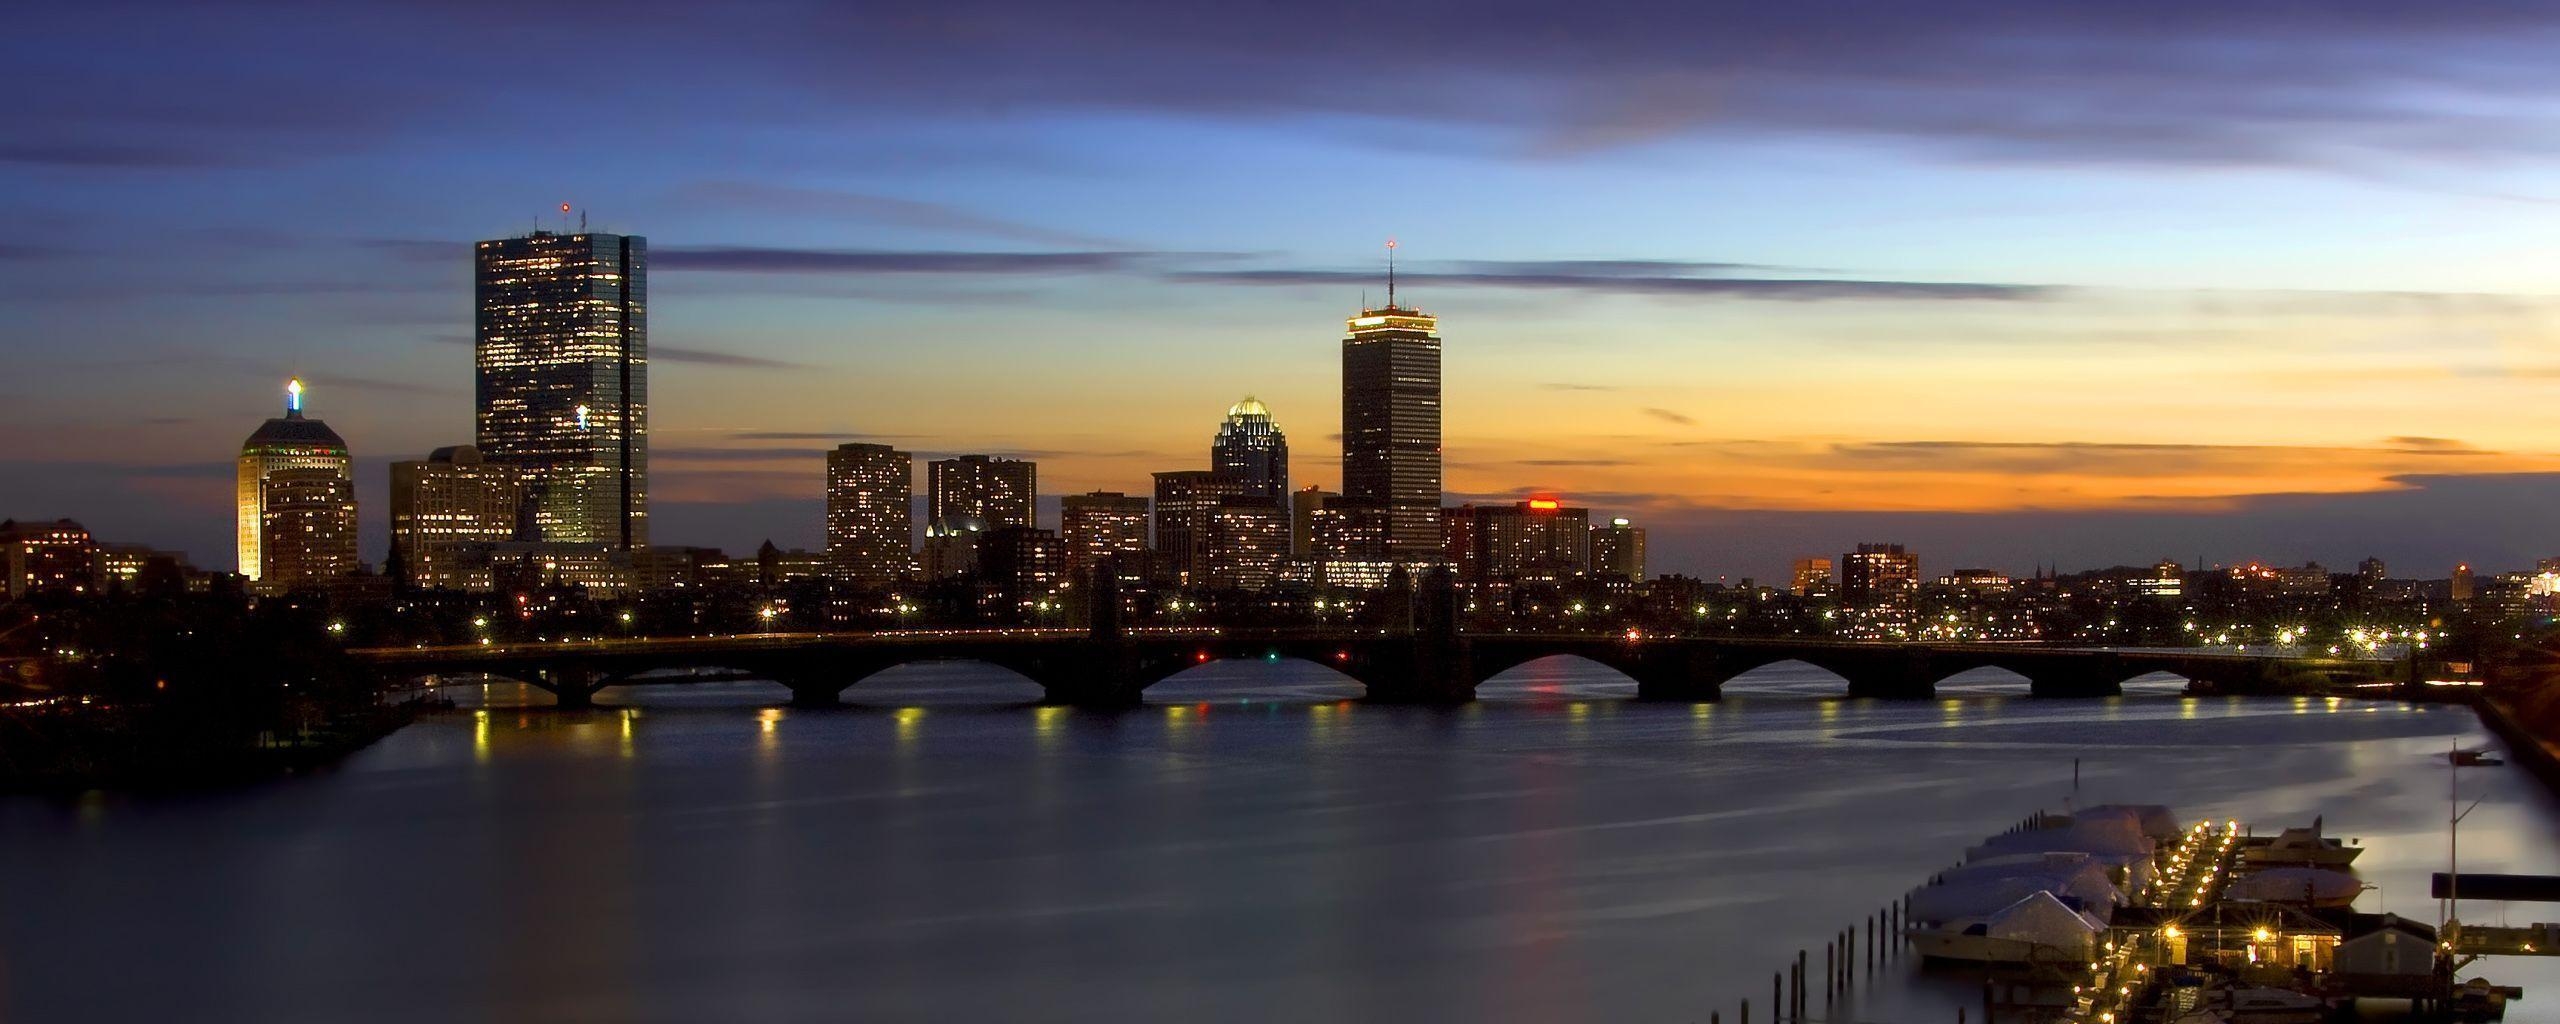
[(2156, 821), (2044, 921)]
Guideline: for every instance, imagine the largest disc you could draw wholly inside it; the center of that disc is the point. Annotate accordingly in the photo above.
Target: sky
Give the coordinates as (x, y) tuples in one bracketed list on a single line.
[(2015, 283)]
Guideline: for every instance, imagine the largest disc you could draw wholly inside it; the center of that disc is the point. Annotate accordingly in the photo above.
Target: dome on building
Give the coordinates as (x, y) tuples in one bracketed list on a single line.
[(294, 430), (1251, 406)]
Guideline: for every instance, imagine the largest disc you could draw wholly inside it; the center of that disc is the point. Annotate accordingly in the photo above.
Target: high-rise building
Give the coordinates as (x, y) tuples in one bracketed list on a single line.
[(1877, 574), (1617, 551), (1103, 525), (2463, 586), (996, 492), (297, 502), (57, 556), (562, 351), (1250, 448), (444, 504), (1539, 540), (1024, 567), (1811, 576), (1344, 529), (1184, 501), (1303, 505), (1391, 423), (1243, 539), (870, 513)]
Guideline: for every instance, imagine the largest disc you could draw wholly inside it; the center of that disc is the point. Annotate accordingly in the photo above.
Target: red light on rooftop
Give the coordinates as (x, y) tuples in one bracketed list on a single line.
[(1545, 504)]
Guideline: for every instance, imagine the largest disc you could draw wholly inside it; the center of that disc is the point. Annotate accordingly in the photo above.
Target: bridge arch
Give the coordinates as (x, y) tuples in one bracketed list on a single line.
[(1310, 676), (1783, 674), (1551, 674)]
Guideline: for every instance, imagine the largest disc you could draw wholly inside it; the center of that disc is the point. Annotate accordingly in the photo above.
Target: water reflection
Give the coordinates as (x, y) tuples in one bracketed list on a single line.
[(1553, 852)]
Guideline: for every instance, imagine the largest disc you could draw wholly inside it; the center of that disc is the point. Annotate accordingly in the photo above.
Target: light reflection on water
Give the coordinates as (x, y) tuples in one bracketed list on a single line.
[(1251, 846)]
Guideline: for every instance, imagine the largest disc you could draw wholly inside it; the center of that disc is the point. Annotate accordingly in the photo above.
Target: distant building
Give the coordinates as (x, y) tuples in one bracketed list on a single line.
[(47, 557), (2167, 579), (297, 502), (605, 570), (451, 499), (951, 546), (1103, 525), (1617, 551), (1540, 539), (1342, 528), (1185, 500), (2372, 572), (995, 492), (128, 566), (561, 347), (1811, 576), (1243, 538), (870, 513), (1024, 566), (1879, 587), (1978, 581), (1303, 504), (2464, 586), (1391, 423), (2310, 579), (1251, 449)]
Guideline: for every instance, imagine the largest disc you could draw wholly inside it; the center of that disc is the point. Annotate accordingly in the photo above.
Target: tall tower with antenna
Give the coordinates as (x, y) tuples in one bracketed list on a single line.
[(1391, 422)]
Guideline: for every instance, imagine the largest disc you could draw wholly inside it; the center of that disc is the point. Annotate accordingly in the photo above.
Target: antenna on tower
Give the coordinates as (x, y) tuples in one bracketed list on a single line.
[(1391, 273)]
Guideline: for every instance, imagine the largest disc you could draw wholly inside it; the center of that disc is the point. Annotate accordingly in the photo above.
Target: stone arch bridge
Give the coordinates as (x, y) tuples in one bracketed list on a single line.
[(1078, 668)]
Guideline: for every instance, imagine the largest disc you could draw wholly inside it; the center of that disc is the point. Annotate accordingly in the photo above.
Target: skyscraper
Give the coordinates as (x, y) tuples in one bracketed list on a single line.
[(1540, 540), (870, 512), (444, 504), (995, 492), (1100, 525), (1879, 589), (562, 392), (297, 502), (1251, 449), (1391, 422)]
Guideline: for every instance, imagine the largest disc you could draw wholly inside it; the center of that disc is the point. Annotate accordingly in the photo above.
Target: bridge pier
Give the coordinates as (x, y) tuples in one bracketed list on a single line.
[(1681, 672), (573, 688)]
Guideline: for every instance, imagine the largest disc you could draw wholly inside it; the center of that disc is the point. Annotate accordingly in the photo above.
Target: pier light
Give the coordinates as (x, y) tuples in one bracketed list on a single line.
[(2264, 935)]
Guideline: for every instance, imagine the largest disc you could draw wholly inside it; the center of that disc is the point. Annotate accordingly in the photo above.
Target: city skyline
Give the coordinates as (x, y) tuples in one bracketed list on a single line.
[(1771, 319)]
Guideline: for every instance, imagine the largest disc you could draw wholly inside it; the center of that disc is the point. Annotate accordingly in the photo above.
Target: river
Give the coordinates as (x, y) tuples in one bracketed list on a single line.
[(1254, 847)]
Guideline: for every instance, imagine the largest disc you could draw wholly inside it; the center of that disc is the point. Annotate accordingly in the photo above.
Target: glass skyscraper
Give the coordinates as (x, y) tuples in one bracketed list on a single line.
[(1251, 449), (562, 351), (1391, 424)]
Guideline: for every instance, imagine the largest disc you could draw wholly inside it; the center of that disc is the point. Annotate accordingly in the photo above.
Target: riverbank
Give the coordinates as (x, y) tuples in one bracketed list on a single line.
[(2530, 725), (75, 748)]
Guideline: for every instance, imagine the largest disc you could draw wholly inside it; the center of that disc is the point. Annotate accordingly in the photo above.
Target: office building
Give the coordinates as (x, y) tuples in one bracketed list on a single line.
[(1104, 525), (47, 557), (1250, 448), (1538, 540), (1303, 504), (452, 499), (1184, 501), (1023, 569), (1391, 423), (1879, 591), (996, 493), (1243, 538), (870, 513), (1617, 552), (296, 502), (561, 348)]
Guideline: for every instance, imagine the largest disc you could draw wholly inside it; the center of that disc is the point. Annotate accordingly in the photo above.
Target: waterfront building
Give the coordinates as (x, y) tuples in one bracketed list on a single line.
[(47, 557), (1879, 591), (1024, 569), (1811, 577), (1243, 538), (1391, 423), (1251, 448), (1617, 552), (439, 505), (994, 492), (1104, 525), (561, 351), (870, 513), (1185, 500), (296, 502)]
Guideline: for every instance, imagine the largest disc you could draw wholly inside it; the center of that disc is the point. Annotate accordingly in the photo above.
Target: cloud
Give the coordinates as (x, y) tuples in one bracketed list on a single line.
[(1616, 282), (685, 454), (1668, 416), (876, 209), (707, 357), (1580, 387), (814, 435), (776, 260)]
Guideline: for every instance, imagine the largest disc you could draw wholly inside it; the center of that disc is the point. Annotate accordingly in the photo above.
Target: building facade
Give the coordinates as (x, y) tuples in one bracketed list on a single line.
[(1538, 540), (47, 557), (1243, 539), (1185, 499), (870, 513), (997, 493), (441, 505), (1879, 591), (1617, 552), (1251, 448), (297, 502), (1810, 577), (561, 348), (1391, 424), (1103, 525)]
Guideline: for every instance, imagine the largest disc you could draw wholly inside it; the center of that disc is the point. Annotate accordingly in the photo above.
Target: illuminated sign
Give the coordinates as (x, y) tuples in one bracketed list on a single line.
[(1545, 504), (293, 395)]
